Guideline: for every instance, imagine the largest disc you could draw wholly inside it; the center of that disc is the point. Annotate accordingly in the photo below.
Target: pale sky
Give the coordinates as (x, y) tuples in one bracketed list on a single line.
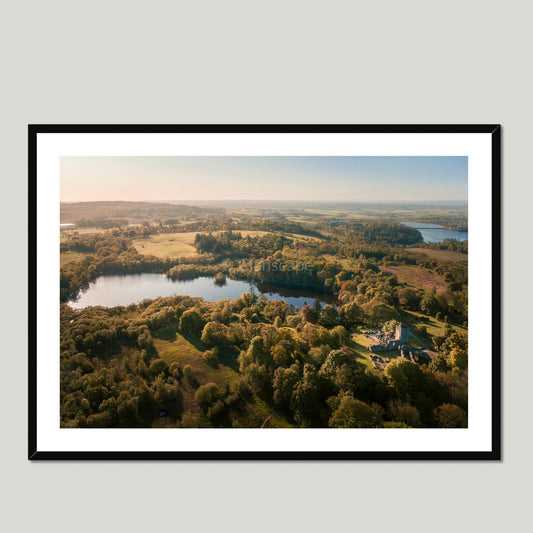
[(316, 179)]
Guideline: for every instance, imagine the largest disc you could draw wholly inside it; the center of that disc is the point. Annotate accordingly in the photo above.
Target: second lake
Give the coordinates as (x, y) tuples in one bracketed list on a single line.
[(435, 233)]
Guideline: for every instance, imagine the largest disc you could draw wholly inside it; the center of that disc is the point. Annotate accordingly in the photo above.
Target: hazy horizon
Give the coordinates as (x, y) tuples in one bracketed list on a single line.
[(295, 179), (291, 202)]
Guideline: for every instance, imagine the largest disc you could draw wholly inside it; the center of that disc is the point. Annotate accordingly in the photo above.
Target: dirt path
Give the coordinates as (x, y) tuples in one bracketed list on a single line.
[(267, 420)]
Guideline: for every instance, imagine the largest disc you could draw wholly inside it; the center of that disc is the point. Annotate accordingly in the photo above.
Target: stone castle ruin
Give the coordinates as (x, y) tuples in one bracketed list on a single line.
[(385, 341)]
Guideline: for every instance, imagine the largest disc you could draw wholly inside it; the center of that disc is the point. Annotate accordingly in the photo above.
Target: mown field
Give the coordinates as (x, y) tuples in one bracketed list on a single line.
[(167, 245)]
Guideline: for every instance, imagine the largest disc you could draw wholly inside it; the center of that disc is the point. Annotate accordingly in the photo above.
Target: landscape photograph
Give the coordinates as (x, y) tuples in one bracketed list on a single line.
[(263, 292)]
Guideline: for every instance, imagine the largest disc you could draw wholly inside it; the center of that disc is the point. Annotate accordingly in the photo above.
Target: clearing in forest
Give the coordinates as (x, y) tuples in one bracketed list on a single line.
[(70, 257), (182, 351), (416, 276), (167, 245), (440, 255), (173, 245)]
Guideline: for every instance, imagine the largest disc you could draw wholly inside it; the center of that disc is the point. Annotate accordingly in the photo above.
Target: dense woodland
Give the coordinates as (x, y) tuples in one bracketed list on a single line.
[(184, 362)]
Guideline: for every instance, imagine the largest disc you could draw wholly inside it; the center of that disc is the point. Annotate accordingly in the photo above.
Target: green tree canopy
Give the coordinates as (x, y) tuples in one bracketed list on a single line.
[(352, 413), (451, 416)]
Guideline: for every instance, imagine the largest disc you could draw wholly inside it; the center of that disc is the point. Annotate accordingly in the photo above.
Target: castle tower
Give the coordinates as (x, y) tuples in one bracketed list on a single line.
[(402, 334)]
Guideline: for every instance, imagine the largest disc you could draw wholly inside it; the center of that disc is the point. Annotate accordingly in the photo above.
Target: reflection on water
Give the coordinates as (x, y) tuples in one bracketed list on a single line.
[(109, 291), (434, 233)]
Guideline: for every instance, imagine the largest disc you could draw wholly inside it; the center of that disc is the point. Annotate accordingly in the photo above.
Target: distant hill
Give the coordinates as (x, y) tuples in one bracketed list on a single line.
[(132, 211)]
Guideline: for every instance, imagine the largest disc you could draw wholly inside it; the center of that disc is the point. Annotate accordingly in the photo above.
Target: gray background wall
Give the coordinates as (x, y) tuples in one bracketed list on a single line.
[(265, 62)]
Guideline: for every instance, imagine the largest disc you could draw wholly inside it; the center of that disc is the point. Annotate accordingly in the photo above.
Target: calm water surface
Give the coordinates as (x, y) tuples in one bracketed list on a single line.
[(434, 233), (109, 291)]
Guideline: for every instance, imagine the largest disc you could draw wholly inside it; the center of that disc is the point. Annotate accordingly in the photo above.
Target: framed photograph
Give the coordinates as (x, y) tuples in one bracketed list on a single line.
[(264, 292)]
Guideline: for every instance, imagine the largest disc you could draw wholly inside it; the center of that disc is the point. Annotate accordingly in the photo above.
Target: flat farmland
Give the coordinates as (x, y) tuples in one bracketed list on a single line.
[(81, 231)]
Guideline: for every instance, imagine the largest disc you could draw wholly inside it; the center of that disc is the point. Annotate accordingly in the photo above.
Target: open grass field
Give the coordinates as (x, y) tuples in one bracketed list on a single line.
[(440, 255), (358, 344), (167, 245), (413, 344), (185, 353), (81, 231), (70, 257), (434, 327), (362, 340), (347, 263), (173, 245), (416, 276)]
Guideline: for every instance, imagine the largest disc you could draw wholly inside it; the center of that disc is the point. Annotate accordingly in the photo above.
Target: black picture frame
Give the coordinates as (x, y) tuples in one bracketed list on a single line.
[(494, 454)]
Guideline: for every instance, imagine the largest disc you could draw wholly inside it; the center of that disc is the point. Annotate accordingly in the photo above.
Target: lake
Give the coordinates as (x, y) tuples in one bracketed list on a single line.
[(435, 233), (109, 291)]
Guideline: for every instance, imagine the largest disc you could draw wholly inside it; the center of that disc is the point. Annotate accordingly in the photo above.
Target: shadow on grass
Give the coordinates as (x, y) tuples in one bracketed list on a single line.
[(168, 333), (354, 348)]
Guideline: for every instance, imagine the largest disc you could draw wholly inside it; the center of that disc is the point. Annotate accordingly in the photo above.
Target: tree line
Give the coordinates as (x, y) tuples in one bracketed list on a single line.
[(299, 363)]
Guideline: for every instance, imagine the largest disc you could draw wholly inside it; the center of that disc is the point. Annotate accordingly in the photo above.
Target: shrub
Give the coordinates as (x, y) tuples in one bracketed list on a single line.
[(352, 413), (175, 369), (206, 395), (211, 357), (191, 321), (157, 366), (220, 278), (451, 416)]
